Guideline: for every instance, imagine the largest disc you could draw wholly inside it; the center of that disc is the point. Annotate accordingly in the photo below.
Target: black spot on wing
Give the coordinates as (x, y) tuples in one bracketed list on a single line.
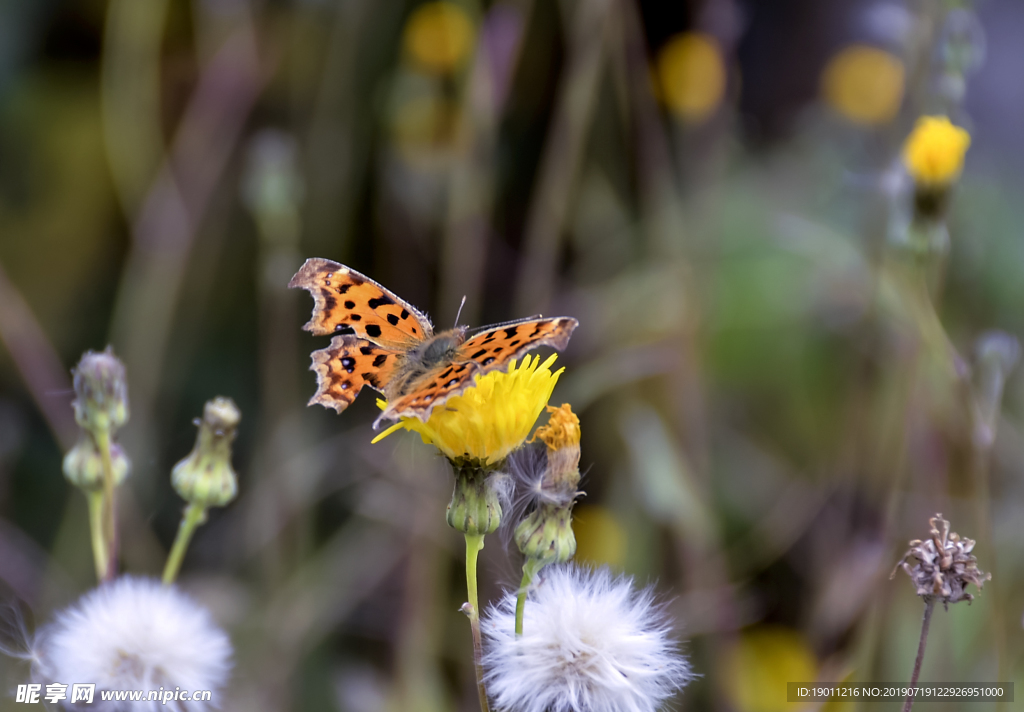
[(381, 301), (366, 350), (355, 317), (343, 288), (373, 330), (393, 320), (511, 331), (405, 314), (478, 354), (379, 361), (349, 304)]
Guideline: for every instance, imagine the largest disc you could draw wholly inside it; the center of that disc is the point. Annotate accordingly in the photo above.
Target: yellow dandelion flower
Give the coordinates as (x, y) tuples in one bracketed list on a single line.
[(487, 422), (934, 151), (864, 84), (439, 36), (691, 75)]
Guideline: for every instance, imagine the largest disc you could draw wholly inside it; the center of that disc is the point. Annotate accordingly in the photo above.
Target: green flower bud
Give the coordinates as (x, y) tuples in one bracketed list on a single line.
[(475, 508), (83, 465), (101, 391), (545, 535), (206, 477)]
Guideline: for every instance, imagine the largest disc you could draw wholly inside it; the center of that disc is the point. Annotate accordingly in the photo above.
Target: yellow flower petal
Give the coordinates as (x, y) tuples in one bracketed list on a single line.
[(562, 429), (934, 151), (491, 419)]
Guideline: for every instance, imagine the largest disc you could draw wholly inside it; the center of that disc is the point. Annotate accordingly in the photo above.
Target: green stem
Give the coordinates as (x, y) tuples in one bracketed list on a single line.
[(109, 528), (531, 567), (99, 547), (194, 516), (474, 543)]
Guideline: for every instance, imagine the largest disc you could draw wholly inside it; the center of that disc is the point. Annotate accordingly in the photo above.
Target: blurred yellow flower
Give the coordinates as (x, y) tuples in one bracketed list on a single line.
[(487, 422), (439, 36), (864, 84), (691, 75), (934, 151), (762, 662), (600, 538)]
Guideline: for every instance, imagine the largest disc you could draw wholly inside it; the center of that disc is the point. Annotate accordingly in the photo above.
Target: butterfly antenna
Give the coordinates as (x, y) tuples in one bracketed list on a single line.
[(459, 313)]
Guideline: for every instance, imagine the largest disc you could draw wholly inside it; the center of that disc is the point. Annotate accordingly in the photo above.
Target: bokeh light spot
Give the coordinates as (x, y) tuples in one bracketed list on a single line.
[(691, 75), (439, 37), (864, 84)]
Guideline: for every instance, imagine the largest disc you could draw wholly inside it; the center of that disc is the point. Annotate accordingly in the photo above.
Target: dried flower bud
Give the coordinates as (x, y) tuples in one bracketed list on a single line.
[(101, 391), (83, 465), (206, 477), (545, 535), (561, 434), (943, 565)]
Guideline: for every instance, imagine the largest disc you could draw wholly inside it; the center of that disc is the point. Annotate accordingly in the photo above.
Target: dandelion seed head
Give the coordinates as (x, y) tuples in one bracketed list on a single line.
[(135, 634), (590, 642)]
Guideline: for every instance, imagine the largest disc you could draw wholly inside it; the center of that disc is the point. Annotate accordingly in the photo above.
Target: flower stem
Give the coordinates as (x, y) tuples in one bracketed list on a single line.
[(99, 547), (530, 569), (521, 604), (109, 529), (929, 606), (474, 543), (192, 518)]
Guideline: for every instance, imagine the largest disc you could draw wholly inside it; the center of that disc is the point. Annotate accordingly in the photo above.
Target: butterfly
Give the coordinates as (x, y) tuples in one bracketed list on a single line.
[(383, 342)]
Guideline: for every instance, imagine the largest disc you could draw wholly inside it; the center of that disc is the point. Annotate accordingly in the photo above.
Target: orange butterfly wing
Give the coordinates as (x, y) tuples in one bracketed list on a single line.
[(348, 364), (497, 345), (490, 350), (345, 299)]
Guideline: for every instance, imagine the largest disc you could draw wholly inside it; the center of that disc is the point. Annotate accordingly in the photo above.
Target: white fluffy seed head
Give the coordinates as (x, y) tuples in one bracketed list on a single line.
[(590, 642), (135, 634)]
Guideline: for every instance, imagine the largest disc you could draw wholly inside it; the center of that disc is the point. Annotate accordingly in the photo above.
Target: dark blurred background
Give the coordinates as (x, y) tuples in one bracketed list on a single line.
[(711, 188)]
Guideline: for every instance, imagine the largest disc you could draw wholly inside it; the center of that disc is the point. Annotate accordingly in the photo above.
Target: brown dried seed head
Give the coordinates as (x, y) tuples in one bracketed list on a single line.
[(942, 566)]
